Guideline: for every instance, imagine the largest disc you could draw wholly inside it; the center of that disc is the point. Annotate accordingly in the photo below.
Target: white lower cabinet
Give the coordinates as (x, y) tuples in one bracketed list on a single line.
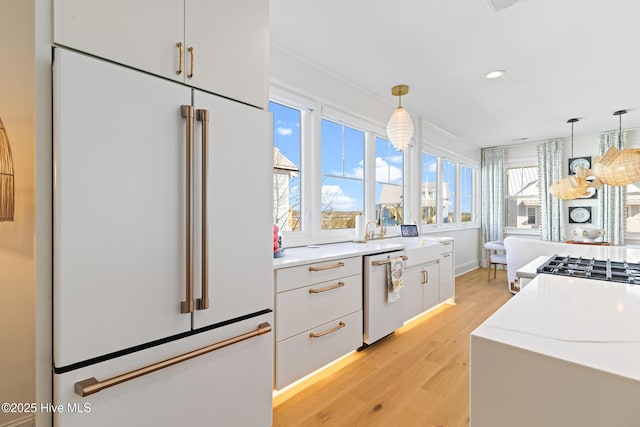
[(447, 273), (318, 316), (304, 353), (429, 279), (422, 288)]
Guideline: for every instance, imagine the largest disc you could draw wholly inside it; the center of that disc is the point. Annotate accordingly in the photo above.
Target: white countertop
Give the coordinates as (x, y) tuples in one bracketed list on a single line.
[(588, 322), (530, 270), (315, 253)]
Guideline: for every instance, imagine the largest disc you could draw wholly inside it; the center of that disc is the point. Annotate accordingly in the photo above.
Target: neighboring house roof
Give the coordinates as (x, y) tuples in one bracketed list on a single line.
[(391, 194), (282, 165)]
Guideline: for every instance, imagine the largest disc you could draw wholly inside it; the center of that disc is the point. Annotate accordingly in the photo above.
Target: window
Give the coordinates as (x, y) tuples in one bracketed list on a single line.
[(466, 194), (429, 189), (632, 203), (532, 215), (342, 175), (286, 167), (448, 192), (389, 166), (523, 198)]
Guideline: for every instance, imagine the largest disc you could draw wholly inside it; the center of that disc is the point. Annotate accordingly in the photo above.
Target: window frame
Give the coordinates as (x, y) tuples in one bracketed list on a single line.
[(519, 230)]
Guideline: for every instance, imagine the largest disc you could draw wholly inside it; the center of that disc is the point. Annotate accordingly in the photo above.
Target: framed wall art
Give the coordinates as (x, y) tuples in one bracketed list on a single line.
[(579, 214), (585, 162)]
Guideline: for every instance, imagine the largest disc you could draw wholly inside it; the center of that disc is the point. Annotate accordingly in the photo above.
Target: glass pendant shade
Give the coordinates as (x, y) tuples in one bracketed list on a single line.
[(7, 196), (400, 128)]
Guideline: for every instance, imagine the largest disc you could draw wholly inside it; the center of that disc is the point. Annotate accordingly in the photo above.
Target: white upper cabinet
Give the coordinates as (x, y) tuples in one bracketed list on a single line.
[(220, 46), (230, 47)]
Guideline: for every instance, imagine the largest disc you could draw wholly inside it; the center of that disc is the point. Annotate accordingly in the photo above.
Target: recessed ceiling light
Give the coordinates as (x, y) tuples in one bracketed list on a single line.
[(495, 74)]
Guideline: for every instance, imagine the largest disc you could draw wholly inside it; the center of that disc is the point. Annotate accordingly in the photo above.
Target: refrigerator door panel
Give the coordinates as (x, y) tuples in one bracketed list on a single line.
[(230, 386), (119, 208), (239, 219)]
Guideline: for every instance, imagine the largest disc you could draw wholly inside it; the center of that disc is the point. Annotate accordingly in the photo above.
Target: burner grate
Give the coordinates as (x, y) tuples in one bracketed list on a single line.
[(614, 271)]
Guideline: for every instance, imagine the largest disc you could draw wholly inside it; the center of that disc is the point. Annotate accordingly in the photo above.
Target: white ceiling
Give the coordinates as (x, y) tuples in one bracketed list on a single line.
[(563, 58)]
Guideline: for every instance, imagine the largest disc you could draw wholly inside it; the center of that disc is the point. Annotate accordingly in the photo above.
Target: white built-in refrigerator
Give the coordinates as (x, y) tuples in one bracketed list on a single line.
[(162, 195)]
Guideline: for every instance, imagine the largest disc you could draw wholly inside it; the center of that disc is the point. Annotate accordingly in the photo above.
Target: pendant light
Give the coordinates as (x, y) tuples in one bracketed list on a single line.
[(400, 127), (7, 196), (618, 166), (576, 185)]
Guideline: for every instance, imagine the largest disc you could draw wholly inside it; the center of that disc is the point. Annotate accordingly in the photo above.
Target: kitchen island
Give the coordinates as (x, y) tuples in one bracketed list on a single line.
[(563, 352)]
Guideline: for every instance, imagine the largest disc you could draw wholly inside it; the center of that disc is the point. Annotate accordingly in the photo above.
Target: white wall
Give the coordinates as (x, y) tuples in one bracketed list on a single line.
[(17, 251), (583, 146), (308, 81)]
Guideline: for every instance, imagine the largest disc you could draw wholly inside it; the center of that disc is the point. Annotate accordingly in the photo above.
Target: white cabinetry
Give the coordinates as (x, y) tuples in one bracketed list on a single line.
[(429, 278), (318, 316), (421, 290), (217, 45), (447, 274)]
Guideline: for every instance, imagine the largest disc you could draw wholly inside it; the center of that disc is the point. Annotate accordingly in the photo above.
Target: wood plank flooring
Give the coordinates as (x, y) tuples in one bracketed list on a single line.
[(419, 376)]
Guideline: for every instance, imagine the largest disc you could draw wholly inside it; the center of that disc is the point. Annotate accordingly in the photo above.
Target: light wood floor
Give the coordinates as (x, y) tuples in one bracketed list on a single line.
[(419, 376)]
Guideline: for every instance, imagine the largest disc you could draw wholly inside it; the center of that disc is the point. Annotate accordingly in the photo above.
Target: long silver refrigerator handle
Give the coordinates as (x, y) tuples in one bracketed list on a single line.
[(91, 385), (187, 305), (203, 303)]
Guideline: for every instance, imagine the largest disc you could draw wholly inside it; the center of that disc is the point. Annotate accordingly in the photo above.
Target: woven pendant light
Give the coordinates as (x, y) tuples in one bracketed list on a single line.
[(400, 127), (576, 186), (618, 167), (7, 190)]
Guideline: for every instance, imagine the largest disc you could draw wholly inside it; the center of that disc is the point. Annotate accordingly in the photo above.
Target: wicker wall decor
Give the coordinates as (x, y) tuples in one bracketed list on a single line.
[(7, 188)]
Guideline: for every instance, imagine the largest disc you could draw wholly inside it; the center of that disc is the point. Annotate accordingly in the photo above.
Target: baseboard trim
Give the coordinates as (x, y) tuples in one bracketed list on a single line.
[(28, 421), (467, 267)]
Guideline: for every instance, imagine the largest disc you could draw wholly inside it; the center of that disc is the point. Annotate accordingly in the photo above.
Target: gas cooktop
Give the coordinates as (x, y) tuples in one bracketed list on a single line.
[(613, 271)]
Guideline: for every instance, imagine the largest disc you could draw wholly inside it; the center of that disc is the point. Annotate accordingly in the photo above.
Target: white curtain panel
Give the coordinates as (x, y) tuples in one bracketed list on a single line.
[(552, 215), (612, 198), (492, 197)]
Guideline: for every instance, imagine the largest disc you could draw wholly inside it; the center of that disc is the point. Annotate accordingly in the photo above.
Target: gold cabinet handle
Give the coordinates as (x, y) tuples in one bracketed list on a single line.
[(187, 305), (181, 59), (191, 52), (328, 331), (327, 267), (91, 385), (426, 276), (328, 288), (446, 255), (203, 302)]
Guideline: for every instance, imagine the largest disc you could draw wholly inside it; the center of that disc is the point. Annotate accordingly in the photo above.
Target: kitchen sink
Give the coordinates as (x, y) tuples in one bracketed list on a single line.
[(421, 249)]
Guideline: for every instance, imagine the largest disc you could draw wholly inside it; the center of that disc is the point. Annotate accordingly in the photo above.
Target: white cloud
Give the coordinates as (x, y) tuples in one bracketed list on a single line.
[(284, 131), (396, 159), (334, 198), (382, 167)]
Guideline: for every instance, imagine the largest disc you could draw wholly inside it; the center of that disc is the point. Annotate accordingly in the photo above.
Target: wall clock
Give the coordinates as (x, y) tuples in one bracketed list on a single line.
[(580, 215), (585, 162)]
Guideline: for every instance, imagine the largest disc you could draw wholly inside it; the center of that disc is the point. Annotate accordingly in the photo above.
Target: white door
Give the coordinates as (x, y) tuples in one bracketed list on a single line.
[(447, 284), (119, 207), (230, 41), (140, 33), (239, 214), (412, 292), (431, 286)]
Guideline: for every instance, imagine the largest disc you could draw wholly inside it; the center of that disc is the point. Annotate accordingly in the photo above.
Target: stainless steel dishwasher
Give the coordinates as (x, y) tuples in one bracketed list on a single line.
[(381, 315)]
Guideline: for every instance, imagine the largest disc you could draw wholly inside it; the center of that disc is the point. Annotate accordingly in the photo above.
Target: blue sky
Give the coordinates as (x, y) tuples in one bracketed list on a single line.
[(342, 154)]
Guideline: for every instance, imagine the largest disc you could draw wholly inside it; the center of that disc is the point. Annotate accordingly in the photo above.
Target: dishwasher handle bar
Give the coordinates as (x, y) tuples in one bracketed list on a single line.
[(388, 261)]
